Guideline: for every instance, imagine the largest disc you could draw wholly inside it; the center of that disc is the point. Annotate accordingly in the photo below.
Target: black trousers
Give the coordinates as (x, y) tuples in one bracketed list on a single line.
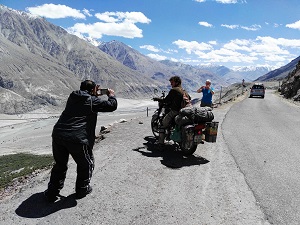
[(82, 155), (203, 104)]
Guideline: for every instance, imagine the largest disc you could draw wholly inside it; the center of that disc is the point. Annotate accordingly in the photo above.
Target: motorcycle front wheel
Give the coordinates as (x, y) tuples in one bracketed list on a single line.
[(188, 148), (155, 125)]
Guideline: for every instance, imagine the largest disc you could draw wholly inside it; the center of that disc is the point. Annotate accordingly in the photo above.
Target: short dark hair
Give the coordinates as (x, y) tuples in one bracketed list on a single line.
[(176, 79), (87, 85)]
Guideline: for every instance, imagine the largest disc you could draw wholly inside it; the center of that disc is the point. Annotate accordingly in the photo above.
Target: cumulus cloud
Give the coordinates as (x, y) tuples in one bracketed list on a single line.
[(129, 17), (295, 25), (150, 48), (53, 11), (205, 24), (122, 24), (238, 45), (266, 48), (155, 49), (157, 57), (193, 46)]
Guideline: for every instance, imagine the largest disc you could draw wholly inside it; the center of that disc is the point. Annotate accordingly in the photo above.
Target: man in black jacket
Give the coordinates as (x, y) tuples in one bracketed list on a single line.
[(174, 100), (74, 134)]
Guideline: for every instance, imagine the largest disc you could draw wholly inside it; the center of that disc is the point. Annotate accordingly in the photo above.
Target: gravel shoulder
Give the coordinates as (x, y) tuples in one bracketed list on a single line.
[(135, 184)]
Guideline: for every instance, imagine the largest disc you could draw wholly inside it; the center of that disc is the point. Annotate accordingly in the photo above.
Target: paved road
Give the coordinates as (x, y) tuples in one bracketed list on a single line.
[(263, 136)]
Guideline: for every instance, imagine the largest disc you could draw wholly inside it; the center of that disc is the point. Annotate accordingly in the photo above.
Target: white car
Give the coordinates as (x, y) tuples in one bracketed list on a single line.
[(257, 90)]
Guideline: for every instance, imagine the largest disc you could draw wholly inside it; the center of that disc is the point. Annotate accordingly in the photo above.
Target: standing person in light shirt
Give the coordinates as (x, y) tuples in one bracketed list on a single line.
[(208, 93)]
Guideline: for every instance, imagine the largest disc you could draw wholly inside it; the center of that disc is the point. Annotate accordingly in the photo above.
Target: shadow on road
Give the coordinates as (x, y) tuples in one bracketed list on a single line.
[(171, 156), (36, 206)]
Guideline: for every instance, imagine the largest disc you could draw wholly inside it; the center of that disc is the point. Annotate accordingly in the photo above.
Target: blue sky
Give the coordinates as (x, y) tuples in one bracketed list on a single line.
[(225, 32)]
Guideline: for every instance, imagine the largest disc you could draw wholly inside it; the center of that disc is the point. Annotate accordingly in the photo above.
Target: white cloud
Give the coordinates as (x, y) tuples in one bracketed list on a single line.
[(122, 24), (227, 1), (107, 17), (97, 30), (53, 11), (254, 27), (130, 17), (174, 60), (170, 51), (269, 44), (157, 57), (87, 12), (295, 25), (274, 58), (150, 48), (276, 25), (154, 49), (230, 26), (238, 45), (205, 24), (192, 46), (250, 51)]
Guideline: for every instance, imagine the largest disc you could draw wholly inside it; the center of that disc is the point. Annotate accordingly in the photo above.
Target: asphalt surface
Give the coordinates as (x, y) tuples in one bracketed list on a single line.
[(133, 183), (263, 136)]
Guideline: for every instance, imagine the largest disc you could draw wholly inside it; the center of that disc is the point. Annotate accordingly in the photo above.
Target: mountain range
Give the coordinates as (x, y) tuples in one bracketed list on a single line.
[(42, 63), (237, 74), (280, 73), (160, 71)]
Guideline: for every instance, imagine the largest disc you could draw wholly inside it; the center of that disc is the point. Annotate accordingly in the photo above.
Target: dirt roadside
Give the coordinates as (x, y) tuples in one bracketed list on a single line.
[(134, 184)]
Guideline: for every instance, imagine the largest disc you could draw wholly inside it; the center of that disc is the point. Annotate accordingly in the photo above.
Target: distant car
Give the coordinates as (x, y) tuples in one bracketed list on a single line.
[(257, 90)]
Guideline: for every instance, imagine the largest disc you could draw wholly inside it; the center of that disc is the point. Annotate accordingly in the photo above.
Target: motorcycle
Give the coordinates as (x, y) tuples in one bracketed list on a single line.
[(188, 135)]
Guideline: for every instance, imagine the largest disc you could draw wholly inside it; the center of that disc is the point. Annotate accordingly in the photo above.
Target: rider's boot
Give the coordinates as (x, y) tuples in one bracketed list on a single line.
[(161, 138)]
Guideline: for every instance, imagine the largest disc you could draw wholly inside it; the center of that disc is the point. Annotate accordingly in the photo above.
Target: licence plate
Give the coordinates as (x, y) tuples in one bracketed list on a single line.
[(198, 138)]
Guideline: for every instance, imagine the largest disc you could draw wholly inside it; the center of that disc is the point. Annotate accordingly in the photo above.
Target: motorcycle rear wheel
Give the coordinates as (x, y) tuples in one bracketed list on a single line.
[(187, 149)]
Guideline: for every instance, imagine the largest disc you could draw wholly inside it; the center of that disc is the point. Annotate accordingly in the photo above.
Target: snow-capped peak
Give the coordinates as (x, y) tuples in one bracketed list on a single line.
[(252, 68)]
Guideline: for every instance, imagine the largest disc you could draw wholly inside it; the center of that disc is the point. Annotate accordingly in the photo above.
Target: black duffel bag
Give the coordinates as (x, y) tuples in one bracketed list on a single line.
[(197, 114)]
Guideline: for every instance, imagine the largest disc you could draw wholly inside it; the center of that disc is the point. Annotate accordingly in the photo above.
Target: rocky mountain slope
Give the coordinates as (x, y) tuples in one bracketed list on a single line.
[(290, 87), (45, 45), (28, 81)]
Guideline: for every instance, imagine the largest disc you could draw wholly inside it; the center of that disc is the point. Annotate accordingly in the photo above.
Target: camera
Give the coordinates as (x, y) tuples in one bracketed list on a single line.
[(103, 91)]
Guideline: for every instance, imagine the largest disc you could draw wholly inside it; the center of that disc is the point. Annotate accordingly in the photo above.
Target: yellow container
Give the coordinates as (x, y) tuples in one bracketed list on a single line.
[(211, 131)]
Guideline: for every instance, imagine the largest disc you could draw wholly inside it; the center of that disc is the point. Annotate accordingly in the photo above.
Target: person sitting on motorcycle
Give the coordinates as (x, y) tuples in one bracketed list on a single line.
[(174, 101)]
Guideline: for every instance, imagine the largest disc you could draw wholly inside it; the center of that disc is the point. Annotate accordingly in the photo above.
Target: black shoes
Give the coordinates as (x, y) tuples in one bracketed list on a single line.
[(81, 194), (51, 198)]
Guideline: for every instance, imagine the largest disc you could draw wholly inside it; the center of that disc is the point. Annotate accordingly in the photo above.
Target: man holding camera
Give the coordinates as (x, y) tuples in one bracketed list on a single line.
[(74, 134)]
